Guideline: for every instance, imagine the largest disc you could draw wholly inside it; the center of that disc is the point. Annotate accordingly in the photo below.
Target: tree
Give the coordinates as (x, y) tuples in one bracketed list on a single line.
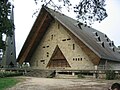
[(6, 24), (88, 11)]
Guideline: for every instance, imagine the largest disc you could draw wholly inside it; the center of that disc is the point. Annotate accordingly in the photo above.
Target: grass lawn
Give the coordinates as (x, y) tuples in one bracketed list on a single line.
[(7, 82)]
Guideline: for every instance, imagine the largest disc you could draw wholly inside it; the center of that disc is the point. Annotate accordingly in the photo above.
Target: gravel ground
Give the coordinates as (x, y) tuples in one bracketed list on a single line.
[(33, 83)]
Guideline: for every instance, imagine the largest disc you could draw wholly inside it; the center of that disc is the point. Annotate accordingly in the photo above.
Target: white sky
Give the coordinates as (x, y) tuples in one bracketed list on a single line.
[(23, 20)]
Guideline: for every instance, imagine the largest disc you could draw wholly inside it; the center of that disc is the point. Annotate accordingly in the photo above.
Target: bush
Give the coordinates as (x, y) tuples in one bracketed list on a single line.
[(80, 75), (110, 75), (9, 74)]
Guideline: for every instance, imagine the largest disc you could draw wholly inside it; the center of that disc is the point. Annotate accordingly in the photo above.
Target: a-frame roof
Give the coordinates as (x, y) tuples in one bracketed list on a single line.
[(98, 42)]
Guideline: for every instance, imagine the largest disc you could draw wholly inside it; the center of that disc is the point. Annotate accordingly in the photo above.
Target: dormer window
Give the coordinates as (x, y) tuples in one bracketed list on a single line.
[(113, 49), (107, 40), (112, 43), (103, 44), (96, 34), (106, 36), (99, 39)]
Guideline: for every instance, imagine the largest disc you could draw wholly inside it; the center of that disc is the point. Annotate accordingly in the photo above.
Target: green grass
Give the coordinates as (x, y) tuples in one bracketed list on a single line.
[(7, 82)]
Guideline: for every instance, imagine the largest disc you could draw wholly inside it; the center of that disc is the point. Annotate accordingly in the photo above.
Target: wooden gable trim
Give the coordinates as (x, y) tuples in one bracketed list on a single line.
[(39, 28)]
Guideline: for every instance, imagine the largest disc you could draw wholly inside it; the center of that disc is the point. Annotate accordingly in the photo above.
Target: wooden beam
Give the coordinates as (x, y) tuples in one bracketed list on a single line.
[(31, 40)]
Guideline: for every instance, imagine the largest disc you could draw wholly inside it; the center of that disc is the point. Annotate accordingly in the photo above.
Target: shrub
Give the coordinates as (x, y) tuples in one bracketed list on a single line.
[(9, 74), (80, 75), (110, 75)]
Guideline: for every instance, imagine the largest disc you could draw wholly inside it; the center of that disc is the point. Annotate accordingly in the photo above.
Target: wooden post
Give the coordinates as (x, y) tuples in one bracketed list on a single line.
[(73, 73)]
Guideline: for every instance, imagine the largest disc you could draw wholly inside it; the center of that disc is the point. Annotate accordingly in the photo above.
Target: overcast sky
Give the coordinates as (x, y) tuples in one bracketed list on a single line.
[(23, 20)]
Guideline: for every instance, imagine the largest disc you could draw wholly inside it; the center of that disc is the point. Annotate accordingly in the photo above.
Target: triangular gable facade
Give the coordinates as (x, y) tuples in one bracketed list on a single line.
[(56, 41), (58, 59)]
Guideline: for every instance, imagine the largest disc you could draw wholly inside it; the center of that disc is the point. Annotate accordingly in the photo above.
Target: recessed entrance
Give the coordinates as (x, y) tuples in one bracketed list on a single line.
[(58, 59)]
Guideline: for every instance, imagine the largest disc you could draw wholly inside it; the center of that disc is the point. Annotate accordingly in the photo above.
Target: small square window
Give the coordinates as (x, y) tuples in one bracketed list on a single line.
[(68, 39), (11, 42), (64, 40), (47, 46), (47, 55), (43, 46), (76, 59), (11, 53), (81, 59), (73, 59), (51, 37)]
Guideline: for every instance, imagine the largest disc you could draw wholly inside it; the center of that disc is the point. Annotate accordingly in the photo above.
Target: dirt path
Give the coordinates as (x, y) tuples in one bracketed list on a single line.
[(33, 83)]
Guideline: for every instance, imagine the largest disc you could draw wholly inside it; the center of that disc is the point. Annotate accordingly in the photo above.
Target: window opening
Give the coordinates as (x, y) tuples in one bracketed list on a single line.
[(11, 53), (47, 54), (99, 39), (107, 40), (43, 46), (68, 39), (105, 36), (112, 43), (42, 60), (51, 37), (76, 59), (64, 40), (58, 26), (113, 49), (47, 46), (73, 59), (96, 33), (81, 59), (73, 46), (103, 45), (11, 42)]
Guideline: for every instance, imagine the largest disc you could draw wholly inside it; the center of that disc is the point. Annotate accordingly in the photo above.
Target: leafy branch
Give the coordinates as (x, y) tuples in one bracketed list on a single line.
[(87, 11)]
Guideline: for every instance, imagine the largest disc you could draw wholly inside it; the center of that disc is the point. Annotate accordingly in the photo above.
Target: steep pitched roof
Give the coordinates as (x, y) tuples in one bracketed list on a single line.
[(98, 42)]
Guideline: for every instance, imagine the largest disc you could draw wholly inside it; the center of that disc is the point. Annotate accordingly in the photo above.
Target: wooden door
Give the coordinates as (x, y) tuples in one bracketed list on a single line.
[(58, 59)]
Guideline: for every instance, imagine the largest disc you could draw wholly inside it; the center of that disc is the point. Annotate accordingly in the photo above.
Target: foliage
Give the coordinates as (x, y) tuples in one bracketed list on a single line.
[(110, 75), (56, 6), (6, 24), (9, 74), (80, 75), (51, 75), (88, 11), (91, 10)]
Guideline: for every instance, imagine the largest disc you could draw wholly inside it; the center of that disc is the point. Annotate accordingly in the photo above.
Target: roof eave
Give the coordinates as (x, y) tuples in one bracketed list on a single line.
[(34, 34)]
